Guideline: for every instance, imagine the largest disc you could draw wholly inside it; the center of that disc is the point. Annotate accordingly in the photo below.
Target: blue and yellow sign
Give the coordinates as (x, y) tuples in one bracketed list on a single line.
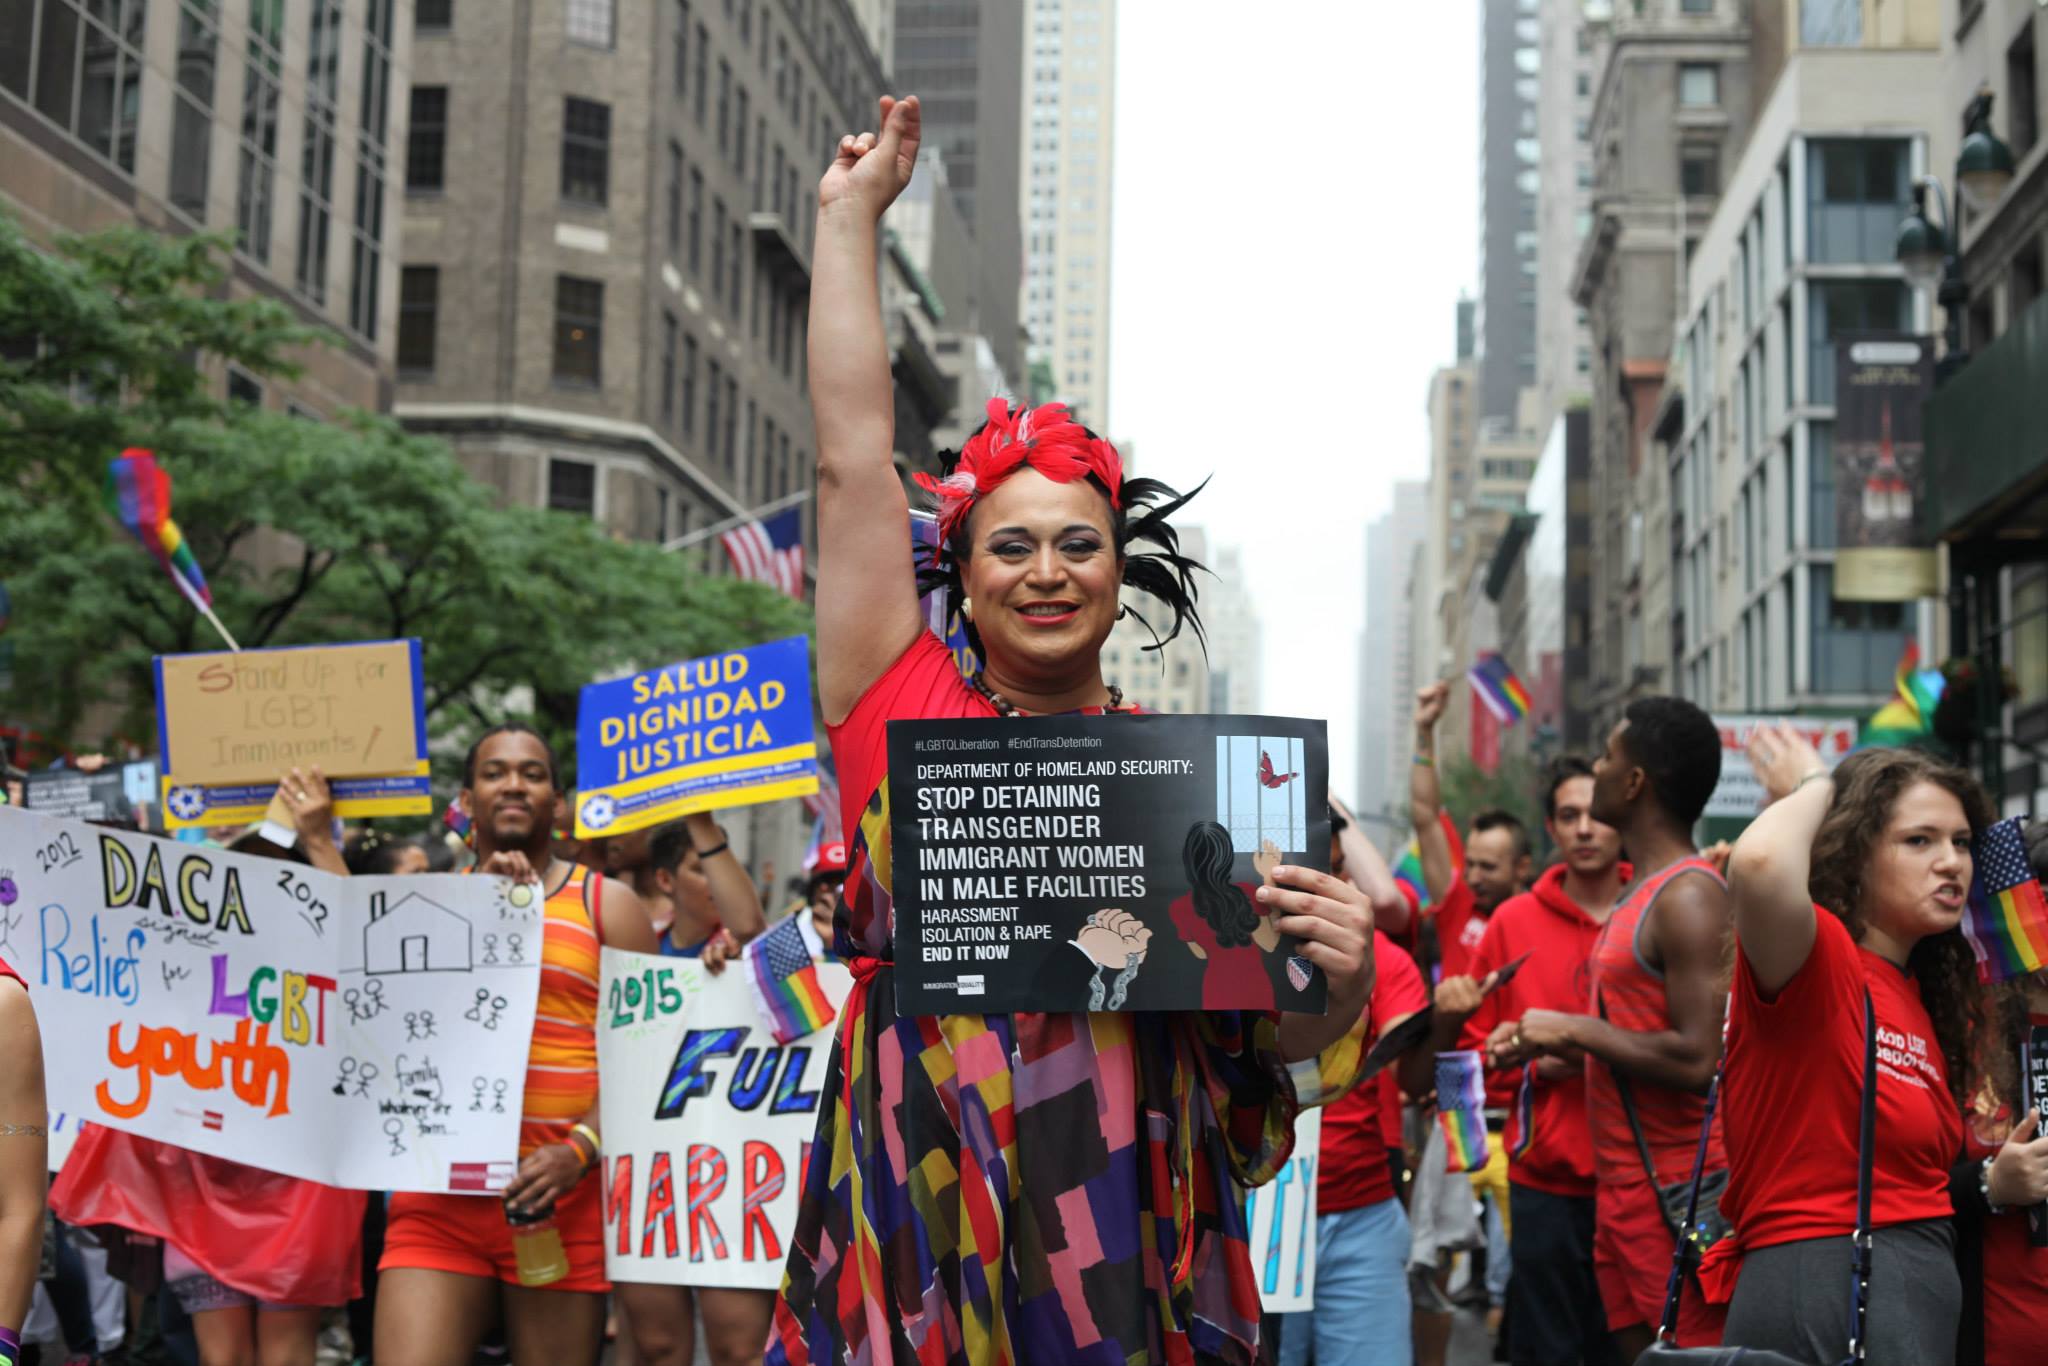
[(731, 729)]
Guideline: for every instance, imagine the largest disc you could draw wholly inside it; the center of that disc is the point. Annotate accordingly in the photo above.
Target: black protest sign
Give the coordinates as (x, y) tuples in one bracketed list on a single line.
[(1069, 863), (2034, 1069), (101, 796)]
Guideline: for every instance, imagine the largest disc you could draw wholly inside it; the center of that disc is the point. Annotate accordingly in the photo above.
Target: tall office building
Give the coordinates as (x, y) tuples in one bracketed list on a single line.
[(608, 215), (1386, 666), (965, 60), (1510, 60), (1572, 49), (1230, 616), (1067, 166), (279, 125)]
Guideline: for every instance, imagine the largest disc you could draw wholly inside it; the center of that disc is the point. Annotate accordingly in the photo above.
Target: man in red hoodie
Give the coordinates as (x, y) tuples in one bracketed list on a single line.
[(1554, 1302)]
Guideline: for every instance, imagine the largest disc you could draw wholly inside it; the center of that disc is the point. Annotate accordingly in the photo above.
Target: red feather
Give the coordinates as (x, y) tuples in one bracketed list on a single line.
[(1047, 438)]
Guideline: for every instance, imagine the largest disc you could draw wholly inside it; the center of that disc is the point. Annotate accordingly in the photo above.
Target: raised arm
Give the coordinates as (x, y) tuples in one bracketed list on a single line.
[(867, 592), (733, 893), (1424, 802), (1368, 872), (1769, 866)]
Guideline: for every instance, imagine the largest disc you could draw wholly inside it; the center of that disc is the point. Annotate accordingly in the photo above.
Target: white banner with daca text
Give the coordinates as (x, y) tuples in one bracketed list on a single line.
[(368, 1033), (707, 1122)]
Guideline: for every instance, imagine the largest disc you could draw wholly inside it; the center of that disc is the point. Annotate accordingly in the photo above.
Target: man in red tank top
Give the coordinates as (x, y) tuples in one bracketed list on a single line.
[(1653, 1039)]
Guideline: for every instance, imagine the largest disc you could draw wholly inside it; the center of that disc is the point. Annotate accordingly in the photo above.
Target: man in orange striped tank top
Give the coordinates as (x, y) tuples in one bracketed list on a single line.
[(1659, 991), (449, 1269)]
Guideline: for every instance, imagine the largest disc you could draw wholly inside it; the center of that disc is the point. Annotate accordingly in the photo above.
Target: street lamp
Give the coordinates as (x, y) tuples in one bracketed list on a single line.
[(1930, 253)]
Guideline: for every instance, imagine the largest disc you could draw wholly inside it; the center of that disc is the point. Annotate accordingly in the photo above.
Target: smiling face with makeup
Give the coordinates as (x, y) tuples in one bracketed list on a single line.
[(1042, 573)]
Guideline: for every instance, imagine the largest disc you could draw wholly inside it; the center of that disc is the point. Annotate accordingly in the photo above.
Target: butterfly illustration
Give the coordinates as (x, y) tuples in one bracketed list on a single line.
[(1267, 777)]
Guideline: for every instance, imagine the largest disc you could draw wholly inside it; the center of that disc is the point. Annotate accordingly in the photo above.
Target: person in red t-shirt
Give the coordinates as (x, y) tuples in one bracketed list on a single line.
[(24, 1140), (1555, 1314), (1497, 852), (1653, 1038), (1361, 1316), (1851, 886)]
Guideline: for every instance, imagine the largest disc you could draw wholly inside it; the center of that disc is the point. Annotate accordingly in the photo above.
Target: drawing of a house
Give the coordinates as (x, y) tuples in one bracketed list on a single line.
[(414, 935)]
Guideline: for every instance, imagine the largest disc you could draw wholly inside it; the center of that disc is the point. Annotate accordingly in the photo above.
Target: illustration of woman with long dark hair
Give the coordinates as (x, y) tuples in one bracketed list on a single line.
[(1222, 925)]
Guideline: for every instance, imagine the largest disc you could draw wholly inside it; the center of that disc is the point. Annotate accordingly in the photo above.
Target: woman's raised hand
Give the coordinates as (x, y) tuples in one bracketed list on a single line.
[(871, 171)]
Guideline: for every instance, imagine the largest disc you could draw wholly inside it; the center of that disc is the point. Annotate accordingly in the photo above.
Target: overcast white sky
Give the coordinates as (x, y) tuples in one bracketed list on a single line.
[(1296, 211)]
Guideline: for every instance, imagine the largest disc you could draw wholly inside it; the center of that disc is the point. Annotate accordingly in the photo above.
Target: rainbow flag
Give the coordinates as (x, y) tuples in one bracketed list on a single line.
[(1461, 1109), (2007, 920), (138, 494), (782, 965), (1910, 713), (1408, 868), (1498, 688)]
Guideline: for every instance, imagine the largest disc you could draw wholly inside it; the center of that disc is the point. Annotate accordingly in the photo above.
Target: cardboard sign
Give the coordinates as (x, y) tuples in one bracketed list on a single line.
[(1281, 1216), (367, 1032), (707, 1122), (1739, 793), (230, 725), (727, 730), (1101, 862)]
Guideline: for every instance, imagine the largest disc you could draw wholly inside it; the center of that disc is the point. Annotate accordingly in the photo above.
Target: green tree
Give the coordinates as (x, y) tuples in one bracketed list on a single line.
[(1468, 789), (306, 531)]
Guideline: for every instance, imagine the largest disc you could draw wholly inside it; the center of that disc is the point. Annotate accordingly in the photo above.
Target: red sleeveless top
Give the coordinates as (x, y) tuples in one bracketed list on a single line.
[(1631, 993)]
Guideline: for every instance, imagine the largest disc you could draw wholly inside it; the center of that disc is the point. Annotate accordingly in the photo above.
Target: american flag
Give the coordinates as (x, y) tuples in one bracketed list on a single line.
[(769, 552), (824, 803)]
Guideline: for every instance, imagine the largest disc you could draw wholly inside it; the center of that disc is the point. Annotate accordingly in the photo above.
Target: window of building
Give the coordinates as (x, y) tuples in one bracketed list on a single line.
[(1836, 308), (1856, 645), (586, 150), (1695, 6), (316, 175), (681, 76), (717, 249), (724, 106), (1699, 85), (689, 384), (1699, 169), (579, 330), (668, 367), (243, 388), (2022, 111), (426, 138), (739, 133), (2023, 280), (572, 486), (1856, 190), (702, 75), (1831, 23), (714, 383), (83, 72), (366, 244), (673, 197), (732, 421), (433, 16), (262, 92), (733, 289), (591, 21), (192, 107), (419, 305), (696, 222)]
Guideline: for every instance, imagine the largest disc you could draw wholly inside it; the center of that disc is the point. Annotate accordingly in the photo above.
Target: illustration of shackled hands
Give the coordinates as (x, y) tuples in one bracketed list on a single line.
[(1117, 940)]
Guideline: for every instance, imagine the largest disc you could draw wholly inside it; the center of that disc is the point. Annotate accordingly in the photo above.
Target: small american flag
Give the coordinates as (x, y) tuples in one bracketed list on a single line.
[(480, 1178), (2007, 919), (1300, 972), (770, 552)]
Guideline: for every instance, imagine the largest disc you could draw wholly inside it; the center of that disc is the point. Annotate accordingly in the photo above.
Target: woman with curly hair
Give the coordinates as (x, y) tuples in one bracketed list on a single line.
[(1035, 1186), (1850, 886), (1220, 923)]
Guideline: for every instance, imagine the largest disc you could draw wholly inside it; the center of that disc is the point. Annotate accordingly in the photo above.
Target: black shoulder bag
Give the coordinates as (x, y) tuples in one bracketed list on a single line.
[(1663, 1353), (1691, 1209)]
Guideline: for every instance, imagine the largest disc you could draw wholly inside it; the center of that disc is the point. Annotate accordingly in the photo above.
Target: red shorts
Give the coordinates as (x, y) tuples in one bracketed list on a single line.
[(468, 1235), (1632, 1259)]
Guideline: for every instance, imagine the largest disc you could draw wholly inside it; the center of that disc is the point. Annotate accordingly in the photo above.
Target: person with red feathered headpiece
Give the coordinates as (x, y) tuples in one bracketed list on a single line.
[(924, 1237)]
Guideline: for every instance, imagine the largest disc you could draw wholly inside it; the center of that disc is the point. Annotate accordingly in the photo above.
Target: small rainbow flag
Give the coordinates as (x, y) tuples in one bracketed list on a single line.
[(1461, 1109), (2007, 920), (138, 494), (1408, 868), (1910, 713), (782, 965), (1498, 688)]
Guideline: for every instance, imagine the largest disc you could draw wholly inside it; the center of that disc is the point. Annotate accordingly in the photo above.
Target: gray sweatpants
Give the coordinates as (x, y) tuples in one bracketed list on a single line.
[(1795, 1298)]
